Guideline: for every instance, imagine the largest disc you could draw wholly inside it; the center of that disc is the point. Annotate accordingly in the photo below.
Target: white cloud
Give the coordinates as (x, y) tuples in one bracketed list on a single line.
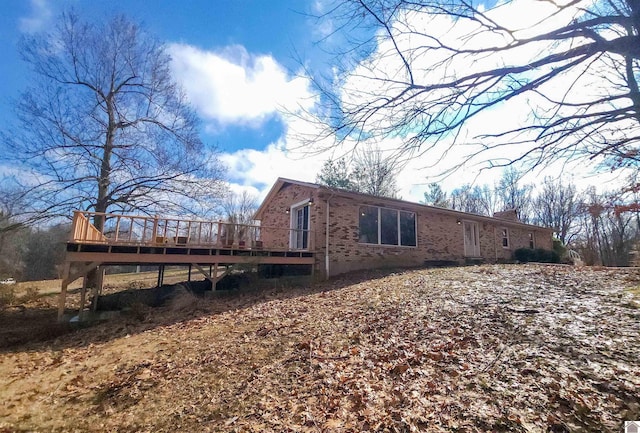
[(222, 74), (291, 158), (38, 19), (259, 169), (324, 26), (232, 86), (381, 77)]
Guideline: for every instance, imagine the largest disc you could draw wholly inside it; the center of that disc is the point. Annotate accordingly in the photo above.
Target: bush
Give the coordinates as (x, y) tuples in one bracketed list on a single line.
[(559, 247), (7, 296), (31, 294), (525, 255)]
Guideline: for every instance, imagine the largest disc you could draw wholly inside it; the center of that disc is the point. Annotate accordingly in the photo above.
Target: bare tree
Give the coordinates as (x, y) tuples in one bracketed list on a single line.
[(240, 208), (557, 205), (469, 199), (104, 127), (609, 230), (422, 70), (44, 252), (514, 195), (11, 204), (374, 173)]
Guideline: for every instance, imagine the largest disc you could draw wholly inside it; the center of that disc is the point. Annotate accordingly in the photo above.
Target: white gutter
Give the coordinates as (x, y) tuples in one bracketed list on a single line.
[(326, 244), (495, 242)]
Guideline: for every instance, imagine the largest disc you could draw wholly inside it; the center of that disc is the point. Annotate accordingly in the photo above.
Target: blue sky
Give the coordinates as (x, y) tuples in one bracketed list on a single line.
[(238, 61)]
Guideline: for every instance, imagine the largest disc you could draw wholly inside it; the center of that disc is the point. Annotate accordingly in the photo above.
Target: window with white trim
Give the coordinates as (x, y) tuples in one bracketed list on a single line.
[(505, 237), (299, 226), (384, 226), (532, 240)]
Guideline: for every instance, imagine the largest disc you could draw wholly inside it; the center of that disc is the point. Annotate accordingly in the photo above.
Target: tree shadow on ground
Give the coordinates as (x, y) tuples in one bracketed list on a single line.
[(36, 328)]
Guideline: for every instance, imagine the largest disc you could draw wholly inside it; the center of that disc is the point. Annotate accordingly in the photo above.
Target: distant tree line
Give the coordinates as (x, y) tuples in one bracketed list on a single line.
[(30, 253), (603, 227)]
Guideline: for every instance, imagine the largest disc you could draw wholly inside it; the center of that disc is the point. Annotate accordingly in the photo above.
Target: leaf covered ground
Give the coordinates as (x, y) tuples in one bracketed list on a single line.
[(500, 348)]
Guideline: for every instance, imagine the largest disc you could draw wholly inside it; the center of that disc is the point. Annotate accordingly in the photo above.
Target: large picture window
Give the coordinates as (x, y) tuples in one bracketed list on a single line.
[(384, 226)]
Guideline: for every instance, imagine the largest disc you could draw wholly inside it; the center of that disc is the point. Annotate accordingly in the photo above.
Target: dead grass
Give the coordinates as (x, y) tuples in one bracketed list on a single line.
[(491, 348), (635, 291), (144, 279)]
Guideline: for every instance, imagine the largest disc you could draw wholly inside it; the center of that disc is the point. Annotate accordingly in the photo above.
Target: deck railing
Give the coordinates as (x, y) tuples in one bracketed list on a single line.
[(160, 231)]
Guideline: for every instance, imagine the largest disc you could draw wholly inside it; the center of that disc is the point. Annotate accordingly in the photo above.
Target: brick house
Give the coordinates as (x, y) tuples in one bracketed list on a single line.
[(366, 231)]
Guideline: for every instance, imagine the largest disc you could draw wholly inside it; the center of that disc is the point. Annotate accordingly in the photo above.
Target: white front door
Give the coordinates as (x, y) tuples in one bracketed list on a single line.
[(471, 239), (300, 227)]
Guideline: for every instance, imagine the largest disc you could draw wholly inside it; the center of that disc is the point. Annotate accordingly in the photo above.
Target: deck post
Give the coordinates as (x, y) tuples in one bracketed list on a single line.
[(83, 297), (62, 299), (97, 291), (161, 275), (155, 228)]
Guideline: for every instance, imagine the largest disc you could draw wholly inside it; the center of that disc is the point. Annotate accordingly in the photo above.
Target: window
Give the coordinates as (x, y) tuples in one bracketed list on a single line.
[(384, 226), (408, 229), (532, 240), (505, 237), (369, 225), (388, 227)]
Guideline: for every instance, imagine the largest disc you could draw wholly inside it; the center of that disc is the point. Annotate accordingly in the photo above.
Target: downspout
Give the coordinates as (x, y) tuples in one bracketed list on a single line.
[(495, 243), (326, 244)]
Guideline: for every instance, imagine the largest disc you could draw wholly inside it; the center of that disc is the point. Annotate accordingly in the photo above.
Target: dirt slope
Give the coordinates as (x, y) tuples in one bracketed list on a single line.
[(489, 348)]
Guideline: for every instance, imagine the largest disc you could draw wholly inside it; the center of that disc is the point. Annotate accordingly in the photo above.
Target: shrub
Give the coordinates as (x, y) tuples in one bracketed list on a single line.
[(559, 247), (31, 294), (7, 296), (525, 255)]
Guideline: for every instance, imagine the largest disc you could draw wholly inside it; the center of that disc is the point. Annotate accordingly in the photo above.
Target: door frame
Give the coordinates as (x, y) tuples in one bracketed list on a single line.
[(297, 234), (471, 250)]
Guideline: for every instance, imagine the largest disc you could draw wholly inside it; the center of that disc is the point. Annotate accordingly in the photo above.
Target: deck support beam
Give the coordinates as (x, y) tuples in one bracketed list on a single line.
[(68, 279), (83, 298), (62, 299), (214, 278), (160, 275), (97, 291)]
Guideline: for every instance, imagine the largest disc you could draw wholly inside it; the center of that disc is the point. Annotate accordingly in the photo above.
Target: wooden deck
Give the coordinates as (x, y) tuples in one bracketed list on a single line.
[(142, 240)]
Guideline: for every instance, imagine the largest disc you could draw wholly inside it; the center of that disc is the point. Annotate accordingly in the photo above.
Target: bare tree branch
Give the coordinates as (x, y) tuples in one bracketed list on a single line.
[(104, 126), (405, 75)]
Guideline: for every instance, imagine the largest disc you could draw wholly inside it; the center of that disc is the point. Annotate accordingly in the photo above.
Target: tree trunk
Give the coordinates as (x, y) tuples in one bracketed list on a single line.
[(102, 202)]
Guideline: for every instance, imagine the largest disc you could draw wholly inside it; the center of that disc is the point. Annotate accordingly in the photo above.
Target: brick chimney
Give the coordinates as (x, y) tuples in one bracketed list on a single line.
[(511, 215)]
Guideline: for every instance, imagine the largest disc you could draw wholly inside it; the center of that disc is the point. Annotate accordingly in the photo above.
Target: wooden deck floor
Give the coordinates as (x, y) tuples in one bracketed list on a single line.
[(122, 254)]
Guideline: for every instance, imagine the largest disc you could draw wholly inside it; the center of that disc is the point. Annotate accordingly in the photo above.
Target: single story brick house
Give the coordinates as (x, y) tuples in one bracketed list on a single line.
[(351, 231)]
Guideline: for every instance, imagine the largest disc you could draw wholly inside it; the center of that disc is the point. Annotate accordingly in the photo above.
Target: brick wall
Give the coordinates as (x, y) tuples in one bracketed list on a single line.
[(276, 220), (439, 235)]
